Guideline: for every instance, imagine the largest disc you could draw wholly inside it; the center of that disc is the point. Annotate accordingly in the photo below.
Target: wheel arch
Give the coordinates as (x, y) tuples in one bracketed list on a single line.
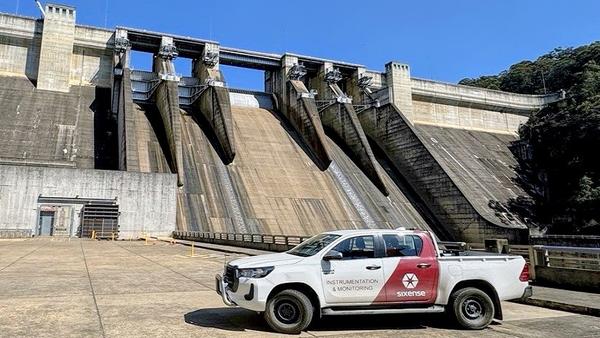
[(302, 287), (486, 287)]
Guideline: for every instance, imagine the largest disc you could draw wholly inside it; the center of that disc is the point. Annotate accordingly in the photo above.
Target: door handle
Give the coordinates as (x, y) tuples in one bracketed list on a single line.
[(373, 267), (423, 265)]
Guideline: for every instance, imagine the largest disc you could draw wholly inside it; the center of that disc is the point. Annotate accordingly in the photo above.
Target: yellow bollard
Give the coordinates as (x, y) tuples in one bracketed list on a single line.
[(93, 234), (112, 235), (192, 250)]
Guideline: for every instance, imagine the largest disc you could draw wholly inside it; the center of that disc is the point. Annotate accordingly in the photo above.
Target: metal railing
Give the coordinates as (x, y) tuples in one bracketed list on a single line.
[(566, 240), (566, 257), (257, 241)]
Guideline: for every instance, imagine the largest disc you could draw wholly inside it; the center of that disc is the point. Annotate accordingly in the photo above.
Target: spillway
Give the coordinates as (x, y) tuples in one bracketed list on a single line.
[(274, 184)]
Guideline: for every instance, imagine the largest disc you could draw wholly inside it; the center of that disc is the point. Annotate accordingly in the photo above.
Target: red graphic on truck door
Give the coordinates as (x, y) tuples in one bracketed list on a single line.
[(411, 270)]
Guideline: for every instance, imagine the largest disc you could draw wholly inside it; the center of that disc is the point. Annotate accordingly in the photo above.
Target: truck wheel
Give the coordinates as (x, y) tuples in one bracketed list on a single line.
[(473, 309), (289, 311)]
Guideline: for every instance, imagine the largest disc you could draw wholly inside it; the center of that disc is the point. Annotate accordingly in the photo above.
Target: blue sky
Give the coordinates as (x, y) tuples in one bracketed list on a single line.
[(441, 40)]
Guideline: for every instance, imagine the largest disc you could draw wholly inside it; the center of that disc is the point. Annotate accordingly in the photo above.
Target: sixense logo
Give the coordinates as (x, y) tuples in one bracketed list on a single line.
[(410, 281)]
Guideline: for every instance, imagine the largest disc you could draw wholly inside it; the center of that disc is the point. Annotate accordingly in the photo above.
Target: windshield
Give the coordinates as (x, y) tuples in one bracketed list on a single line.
[(313, 245)]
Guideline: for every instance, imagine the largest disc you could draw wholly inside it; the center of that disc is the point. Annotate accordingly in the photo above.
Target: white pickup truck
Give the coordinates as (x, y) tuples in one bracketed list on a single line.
[(371, 272)]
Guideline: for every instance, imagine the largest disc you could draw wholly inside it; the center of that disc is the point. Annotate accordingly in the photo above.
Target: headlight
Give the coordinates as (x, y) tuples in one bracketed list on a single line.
[(255, 272)]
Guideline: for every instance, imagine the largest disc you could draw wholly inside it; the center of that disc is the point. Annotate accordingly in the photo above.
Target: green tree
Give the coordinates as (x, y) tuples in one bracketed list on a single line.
[(559, 147)]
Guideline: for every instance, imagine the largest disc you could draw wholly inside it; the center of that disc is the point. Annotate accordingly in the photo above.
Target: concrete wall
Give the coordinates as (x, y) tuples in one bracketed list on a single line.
[(91, 67), (74, 55), (576, 279), (19, 46), (57, 47), (147, 202), (453, 116), (461, 213), (46, 128)]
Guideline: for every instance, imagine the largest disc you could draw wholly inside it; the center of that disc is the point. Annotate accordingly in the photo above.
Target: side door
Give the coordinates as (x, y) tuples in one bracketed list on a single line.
[(410, 268), (356, 278)]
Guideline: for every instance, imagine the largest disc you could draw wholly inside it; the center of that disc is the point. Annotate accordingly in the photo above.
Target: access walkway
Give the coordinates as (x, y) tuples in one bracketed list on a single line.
[(566, 300)]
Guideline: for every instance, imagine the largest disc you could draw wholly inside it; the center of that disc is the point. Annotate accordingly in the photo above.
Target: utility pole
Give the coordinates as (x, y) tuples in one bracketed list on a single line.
[(543, 81)]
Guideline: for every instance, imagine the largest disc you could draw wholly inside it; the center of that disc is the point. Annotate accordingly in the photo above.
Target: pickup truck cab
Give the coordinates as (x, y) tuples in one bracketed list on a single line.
[(373, 272)]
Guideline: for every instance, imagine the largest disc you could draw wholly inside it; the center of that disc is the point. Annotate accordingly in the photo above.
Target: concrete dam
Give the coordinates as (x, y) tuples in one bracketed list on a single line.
[(86, 141)]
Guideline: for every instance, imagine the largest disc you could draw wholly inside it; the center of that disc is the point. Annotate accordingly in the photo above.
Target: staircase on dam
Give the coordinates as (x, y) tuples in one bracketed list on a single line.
[(327, 144)]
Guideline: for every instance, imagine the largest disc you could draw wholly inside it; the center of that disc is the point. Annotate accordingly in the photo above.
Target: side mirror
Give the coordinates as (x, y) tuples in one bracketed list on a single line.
[(333, 255)]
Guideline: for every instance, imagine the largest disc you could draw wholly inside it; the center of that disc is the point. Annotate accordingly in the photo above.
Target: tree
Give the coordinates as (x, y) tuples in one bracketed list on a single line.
[(559, 148)]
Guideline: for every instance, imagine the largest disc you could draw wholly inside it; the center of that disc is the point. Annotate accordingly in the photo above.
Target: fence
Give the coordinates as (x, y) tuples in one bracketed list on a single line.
[(571, 267), (254, 241), (566, 240)]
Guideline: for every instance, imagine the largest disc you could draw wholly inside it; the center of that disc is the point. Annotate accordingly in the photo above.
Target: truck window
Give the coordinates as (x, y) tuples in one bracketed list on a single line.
[(399, 246), (313, 245), (357, 247)]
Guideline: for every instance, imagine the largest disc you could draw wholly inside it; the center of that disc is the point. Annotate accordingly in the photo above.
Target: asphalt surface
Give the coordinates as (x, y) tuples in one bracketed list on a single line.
[(80, 288)]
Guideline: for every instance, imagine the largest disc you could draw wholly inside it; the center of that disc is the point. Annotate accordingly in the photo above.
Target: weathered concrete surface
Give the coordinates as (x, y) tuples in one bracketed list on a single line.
[(399, 87), (215, 108), (86, 62), (115, 289), (273, 186), (20, 56), (147, 141), (459, 209), (214, 103), (302, 114), (48, 128), (58, 36), (166, 98), (480, 98), (147, 202), (468, 118), (167, 104), (480, 164), (66, 131), (341, 121), (577, 279)]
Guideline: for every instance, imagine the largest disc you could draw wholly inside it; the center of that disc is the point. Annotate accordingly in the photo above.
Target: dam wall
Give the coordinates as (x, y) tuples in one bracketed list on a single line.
[(327, 145), (147, 202)]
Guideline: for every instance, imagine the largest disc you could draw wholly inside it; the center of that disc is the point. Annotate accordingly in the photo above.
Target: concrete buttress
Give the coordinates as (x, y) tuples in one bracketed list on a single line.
[(166, 97), (340, 120), (214, 104)]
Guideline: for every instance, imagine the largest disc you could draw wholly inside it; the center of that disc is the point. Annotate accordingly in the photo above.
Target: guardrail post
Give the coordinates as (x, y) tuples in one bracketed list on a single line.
[(532, 262)]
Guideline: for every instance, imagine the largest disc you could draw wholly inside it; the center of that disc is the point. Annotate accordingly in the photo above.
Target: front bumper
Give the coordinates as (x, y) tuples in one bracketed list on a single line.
[(528, 292), (221, 288), (250, 294)]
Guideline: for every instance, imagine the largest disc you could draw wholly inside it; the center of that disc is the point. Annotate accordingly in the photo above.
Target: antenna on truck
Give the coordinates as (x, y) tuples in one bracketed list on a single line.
[(39, 5)]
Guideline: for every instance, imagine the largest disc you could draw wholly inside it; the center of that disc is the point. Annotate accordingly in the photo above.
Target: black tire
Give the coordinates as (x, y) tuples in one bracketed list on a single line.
[(472, 308), (289, 311)]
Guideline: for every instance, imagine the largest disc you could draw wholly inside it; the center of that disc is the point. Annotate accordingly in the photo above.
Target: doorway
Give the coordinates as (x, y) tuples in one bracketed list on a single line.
[(46, 223)]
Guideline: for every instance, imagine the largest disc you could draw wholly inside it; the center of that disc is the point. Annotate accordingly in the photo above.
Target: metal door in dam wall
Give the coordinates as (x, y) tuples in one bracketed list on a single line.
[(46, 223)]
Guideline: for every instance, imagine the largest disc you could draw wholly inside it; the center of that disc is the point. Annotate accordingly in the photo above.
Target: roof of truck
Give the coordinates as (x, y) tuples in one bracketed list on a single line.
[(367, 231)]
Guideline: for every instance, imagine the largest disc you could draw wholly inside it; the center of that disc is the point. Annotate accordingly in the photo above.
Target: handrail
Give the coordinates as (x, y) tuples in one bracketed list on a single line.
[(241, 239), (582, 258)]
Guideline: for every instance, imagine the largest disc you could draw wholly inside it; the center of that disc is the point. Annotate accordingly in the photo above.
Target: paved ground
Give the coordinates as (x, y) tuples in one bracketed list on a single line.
[(567, 300), (111, 289)]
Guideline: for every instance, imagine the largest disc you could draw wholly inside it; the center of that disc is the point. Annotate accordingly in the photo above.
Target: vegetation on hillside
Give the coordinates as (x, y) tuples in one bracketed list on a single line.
[(559, 147)]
